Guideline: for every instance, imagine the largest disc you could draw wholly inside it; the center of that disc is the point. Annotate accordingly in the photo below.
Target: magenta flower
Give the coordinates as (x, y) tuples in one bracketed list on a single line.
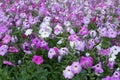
[(83, 31), (8, 63), (86, 62), (98, 68), (13, 49), (67, 73), (3, 50), (37, 59), (73, 37), (76, 67)]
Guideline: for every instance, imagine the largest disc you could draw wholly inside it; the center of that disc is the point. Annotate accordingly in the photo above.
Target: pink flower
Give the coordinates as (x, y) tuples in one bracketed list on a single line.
[(73, 37), (8, 63), (37, 59), (6, 39)]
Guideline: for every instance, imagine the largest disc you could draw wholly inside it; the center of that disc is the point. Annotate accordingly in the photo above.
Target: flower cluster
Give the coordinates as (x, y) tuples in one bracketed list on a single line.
[(88, 30)]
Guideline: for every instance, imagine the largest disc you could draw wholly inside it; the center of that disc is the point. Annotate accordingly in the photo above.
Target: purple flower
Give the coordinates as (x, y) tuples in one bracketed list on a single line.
[(91, 44), (86, 62), (3, 50), (98, 68), (26, 47), (111, 33), (76, 67), (43, 44), (104, 52), (107, 78), (103, 32), (18, 22), (3, 29), (67, 73), (116, 75), (36, 42), (111, 64), (86, 20)]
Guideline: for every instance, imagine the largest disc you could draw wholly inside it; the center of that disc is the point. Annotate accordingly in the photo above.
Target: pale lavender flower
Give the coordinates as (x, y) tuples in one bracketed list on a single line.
[(52, 52), (98, 68), (76, 67), (67, 73), (3, 50)]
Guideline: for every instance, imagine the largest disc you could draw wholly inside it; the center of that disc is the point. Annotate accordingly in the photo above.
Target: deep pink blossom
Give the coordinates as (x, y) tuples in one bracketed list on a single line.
[(37, 59)]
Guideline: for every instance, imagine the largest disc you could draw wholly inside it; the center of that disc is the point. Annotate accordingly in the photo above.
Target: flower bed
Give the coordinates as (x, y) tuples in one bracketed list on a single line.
[(59, 40)]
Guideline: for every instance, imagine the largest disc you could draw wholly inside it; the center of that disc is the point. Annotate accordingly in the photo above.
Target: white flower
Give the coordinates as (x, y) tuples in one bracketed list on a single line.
[(112, 58), (115, 50), (70, 30), (103, 11), (60, 41), (118, 69), (86, 3), (67, 23), (63, 51), (47, 19), (58, 29), (87, 54), (45, 32), (36, 1), (51, 53), (86, 20), (28, 32), (22, 15), (98, 47), (44, 24), (73, 44), (93, 33)]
